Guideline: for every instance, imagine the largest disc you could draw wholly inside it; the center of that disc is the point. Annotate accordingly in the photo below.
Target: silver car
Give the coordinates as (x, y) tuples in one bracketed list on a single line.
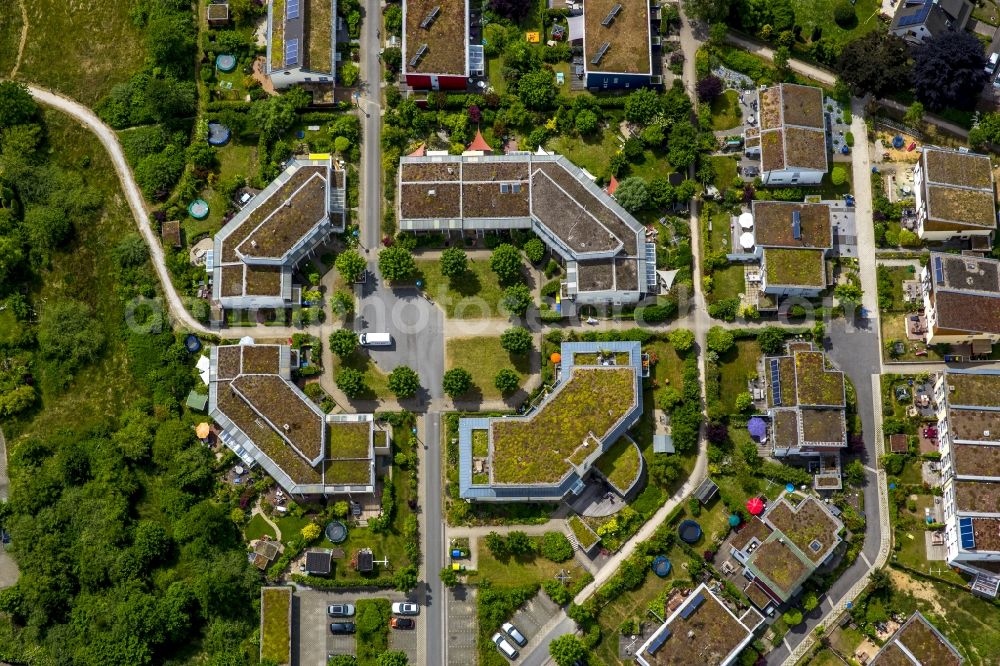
[(514, 634), (340, 610)]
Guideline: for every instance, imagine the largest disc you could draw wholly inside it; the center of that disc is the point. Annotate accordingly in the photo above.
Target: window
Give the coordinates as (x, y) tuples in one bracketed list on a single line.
[(616, 80)]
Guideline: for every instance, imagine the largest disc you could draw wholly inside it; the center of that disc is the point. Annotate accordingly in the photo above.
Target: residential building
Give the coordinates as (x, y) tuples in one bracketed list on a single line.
[(805, 404), (549, 451), (701, 630), (256, 252), (618, 44), (916, 20), (266, 420), (961, 296), (301, 42), (437, 53), (792, 242), (603, 247), (782, 548), (790, 138), (968, 403), (954, 195), (919, 643)]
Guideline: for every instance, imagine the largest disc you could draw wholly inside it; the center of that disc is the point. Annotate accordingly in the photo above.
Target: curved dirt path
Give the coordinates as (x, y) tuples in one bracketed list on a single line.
[(24, 38)]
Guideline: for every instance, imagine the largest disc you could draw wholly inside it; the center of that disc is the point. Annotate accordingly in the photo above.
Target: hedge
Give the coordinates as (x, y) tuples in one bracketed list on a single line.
[(334, 584)]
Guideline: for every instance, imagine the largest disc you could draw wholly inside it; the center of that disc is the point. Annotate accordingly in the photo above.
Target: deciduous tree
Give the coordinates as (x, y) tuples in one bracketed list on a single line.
[(506, 262), (456, 382), (404, 382), (517, 340), (506, 381), (948, 71), (876, 63), (396, 264), (454, 262)]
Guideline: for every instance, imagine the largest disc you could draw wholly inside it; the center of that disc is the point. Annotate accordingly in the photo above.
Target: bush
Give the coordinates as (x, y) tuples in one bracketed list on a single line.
[(557, 592), (720, 340), (843, 13), (682, 339), (535, 250), (556, 547), (838, 176)]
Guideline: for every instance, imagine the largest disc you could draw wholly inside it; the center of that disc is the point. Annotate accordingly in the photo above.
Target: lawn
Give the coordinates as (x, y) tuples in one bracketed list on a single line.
[(372, 621), (725, 172), (516, 571), (728, 282), (376, 381), (590, 153), (828, 190), (726, 111), (734, 367), (10, 37), (893, 325), (896, 276), (276, 633), (669, 367), (483, 357), (290, 526), (620, 464), (651, 166), (475, 295), (819, 13), (256, 528), (494, 70), (716, 239), (81, 49), (234, 159)]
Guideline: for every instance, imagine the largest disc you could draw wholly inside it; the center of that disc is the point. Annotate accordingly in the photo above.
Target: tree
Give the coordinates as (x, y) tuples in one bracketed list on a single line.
[(632, 194), (838, 176), (396, 264), (653, 136), (342, 144), (348, 73), (506, 381), (848, 293), (351, 382), (567, 649), (515, 10), (517, 340), (516, 299), (908, 239), (537, 89), (682, 145), (497, 545), (682, 339), (586, 122), (987, 131), (843, 14), (341, 660), (556, 547), (310, 532), (709, 88), (342, 303), (782, 55), (404, 382), (535, 250), (454, 262), (68, 332), (948, 70), (343, 342), (771, 340), (744, 401), (809, 601), (914, 115), (792, 617), (406, 578), (877, 63), (720, 340), (17, 106), (393, 20), (505, 261), (449, 577), (642, 106), (854, 473), (456, 382), (518, 543)]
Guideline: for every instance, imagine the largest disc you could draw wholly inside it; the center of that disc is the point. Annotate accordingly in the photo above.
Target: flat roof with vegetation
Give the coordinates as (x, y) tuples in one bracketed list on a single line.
[(774, 227), (795, 267), (319, 18), (275, 625), (807, 524), (445, 37), (973, 389), (922, 640), (627, 36), (815, 384), (792, 127), (621, 464), (585, 536)]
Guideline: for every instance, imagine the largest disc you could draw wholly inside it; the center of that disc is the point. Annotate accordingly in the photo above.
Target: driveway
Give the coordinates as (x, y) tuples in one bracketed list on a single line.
[(461, 625)]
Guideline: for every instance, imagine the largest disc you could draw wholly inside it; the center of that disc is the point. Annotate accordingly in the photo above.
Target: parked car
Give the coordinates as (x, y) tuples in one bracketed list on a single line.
[(402, 623), (514, 634), (340, 610), (405, 608), (506, 648), (341, 627)]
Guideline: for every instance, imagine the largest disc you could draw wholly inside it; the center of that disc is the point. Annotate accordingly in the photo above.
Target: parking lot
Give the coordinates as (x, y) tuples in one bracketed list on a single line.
[(534, 615), (311, 635), (461, 625)]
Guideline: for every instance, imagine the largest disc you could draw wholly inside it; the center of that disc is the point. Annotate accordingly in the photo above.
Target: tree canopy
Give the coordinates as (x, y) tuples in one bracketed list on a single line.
[(456, 382), (948, 71), (404, 382), (517, 340), (350, 264), (396, 264), (506, 262), (454, 262), (877, 63), (632, 194)]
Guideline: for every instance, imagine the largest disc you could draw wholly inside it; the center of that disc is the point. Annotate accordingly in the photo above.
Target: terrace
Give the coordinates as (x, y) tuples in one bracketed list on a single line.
[(708, 635), (974, 390), (822, 426), (815, 385), (805, 525), (971, 207), (302, 210), (795, 267), (950, 167), (319, 16), (445, 37), (773, 224), (977, 496), (272, 398), (780, 566), (973, 460), (534, 449), (627, 34), (348, 440)]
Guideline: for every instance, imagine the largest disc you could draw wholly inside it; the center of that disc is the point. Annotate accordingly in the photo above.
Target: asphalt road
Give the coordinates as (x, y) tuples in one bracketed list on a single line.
[(433, 546)]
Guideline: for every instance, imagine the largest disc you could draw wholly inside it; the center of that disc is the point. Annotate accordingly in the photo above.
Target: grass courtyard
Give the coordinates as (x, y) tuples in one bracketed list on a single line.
[(735, 366), (591, 153), (725, 172), (475, 295), (235, 158), (376, 381), (728, 282), (516, 571), (483, 357), (256, 528), (726, 111)]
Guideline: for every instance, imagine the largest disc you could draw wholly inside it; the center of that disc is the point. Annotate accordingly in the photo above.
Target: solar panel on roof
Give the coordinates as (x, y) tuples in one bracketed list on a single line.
[(418, 55), (291, 52), (659, 641), (609, 19), (292, 9), (796, 225), (775, 383), (426, 23), (967, 534), (692, 606), (938, 270), (919, 17), (600, 53)]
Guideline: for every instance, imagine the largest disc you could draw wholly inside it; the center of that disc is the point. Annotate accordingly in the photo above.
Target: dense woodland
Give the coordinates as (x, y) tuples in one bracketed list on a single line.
[(125, 555)]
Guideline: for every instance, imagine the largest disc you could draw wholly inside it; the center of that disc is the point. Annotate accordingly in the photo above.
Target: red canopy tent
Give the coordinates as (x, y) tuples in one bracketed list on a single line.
[(755, 506)]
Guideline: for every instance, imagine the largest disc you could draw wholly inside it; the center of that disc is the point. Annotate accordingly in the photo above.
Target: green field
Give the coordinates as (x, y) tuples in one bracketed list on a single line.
[(734, 367), (728, 282), (10, 36), (483, 357), (516, 571), (475, 295), (819, 13), (726, 111), (256, 528), (725, 172)]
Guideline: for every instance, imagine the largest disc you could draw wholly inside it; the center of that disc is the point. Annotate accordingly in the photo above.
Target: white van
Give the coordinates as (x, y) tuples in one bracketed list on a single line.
[(504, 646), (375, 339)]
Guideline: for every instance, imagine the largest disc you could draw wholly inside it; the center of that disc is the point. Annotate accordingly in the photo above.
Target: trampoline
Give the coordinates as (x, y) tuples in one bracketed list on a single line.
[(192, 344), (689, 531), (218, 134), (198, 209), (661, 566), (336, 531), (225, 62), (734, 520)]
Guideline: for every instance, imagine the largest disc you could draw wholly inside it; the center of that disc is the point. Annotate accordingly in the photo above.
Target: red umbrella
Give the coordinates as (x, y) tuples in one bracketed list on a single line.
[(755, 505)]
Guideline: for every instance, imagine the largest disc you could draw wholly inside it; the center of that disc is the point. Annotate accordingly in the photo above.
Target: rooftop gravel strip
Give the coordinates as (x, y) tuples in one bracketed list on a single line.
[(802, 105), (969, 207), (805, 148), (534, 449), (807, 523), (272, 397), (266, 439), (417, 202), (924, 644), (891, 655), (348, 440), (986, 532), (418, 172), (621, 464), (228, 362), (770, 108), (755, 529), (595, 275), (232, 280), (347, 472), (707, 636), (319, 20), (815, 385), (780, 565), (954, 168), (823, 426), (263, 280), (772, 221), (795, 267), (495, 171), (628, 36), (973, 390), (772, 152), (486, 200), (974, 424), (978, 496), (260, 359), (297, 215), (445, 38)]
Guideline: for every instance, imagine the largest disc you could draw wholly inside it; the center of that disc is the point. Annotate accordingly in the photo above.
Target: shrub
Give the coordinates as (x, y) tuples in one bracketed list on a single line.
[(838, 176), (535, 250), (720, 340), (556, 547), (682, 339), (843, 14), (557, 592)]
